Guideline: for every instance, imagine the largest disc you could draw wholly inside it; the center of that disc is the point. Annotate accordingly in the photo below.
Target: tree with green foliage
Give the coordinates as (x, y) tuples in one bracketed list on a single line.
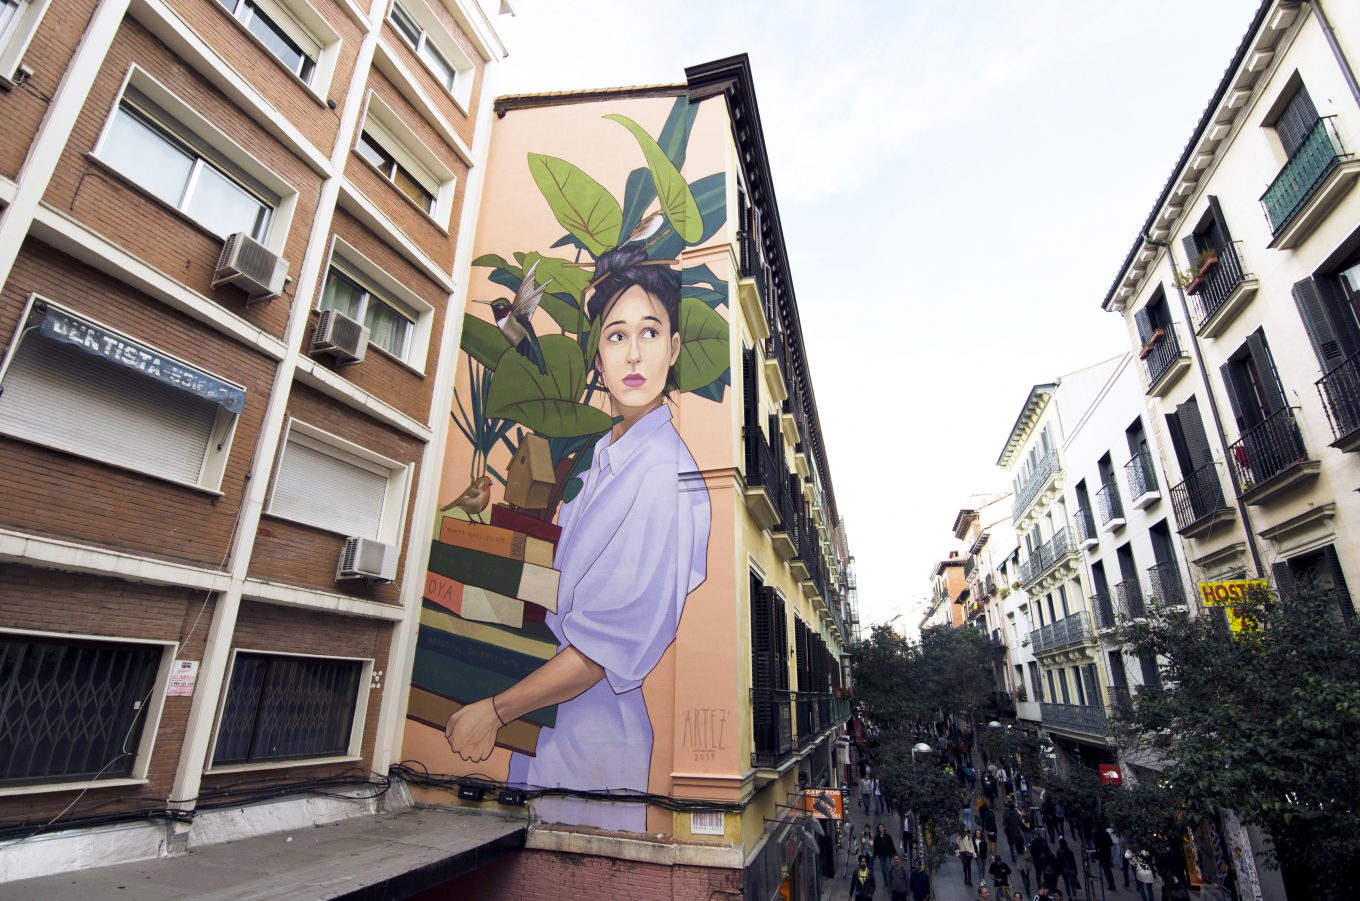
[(901, 681), (1147, 817), (1018, 749), (1263, 718), (917, 783)]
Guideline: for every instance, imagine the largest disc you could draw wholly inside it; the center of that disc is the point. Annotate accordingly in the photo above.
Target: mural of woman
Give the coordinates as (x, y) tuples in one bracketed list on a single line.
[(634, 544)]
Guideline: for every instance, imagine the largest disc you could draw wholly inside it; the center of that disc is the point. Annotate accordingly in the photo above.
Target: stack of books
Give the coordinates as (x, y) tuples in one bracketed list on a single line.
[(487, 591)]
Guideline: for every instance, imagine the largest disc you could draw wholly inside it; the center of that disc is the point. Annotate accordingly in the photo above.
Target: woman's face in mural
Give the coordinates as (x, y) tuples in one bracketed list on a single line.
[(637, 349)]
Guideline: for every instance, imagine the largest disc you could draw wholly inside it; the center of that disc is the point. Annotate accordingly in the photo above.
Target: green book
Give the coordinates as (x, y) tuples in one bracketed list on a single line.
[(468, 670)]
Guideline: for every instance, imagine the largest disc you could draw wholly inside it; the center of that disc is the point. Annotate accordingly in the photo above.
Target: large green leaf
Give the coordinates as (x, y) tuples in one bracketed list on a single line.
[(483, 341), (710, 193), (638, 192), (549, 404), (672, 191), (565, 283), (496, 261), (703, 345), (580, 203)]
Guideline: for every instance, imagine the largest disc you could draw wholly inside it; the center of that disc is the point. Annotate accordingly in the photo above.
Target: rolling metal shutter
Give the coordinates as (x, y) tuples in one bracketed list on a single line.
[(57, 395), (323, 490)]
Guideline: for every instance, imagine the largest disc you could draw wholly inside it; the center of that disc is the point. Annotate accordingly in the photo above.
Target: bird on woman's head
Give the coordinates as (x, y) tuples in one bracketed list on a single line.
[(474, 500), (515, 318)]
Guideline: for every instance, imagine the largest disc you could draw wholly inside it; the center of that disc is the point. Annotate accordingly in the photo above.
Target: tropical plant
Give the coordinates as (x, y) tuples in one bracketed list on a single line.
[(562, 403)]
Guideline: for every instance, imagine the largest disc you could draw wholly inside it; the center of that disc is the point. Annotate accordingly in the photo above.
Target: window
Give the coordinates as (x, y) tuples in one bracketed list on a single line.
[(1327, 305), (282, 36), (10, 14), (1035, 681), (444, 71), (19, 20), (76, 710), (1316, 572), (1295, 121), (281, 707), (372, 150), (140, 142), (78, 387), (1052, 688), (390, 328), (330, 484), (1254, 389)]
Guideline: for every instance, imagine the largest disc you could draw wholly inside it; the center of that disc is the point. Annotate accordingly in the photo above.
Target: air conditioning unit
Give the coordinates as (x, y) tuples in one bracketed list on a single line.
[(339, 336), (252, 267), (364, 558)]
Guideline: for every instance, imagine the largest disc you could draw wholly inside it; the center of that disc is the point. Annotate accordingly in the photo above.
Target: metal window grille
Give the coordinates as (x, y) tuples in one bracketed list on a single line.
[(71, 709), (280, 708)]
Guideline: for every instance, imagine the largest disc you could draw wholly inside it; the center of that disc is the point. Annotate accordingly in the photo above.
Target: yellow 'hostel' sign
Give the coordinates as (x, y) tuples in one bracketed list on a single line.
[(1224, 594)]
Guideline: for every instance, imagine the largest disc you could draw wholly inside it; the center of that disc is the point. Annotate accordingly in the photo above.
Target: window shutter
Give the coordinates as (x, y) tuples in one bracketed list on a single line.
[(1326, 344), (1148, 664), (1217, 212), (62, 397), (780, 641), (1229, 375), (324, 491), (1284, 580), (1192, 246), (761, 633), (1265, 369), (1343, 595), (750, 387), (1296, 121), (1142, 320), (1192, 430)]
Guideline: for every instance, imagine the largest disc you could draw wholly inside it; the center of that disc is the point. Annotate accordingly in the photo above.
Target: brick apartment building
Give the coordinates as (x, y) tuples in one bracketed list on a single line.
[(229, 239)]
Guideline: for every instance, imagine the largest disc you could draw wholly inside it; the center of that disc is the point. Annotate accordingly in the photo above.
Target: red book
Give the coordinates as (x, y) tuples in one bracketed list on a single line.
[(503, 516)]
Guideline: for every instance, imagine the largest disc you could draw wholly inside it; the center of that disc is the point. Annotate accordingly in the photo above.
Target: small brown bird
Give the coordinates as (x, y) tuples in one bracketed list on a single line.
[(474, 500)]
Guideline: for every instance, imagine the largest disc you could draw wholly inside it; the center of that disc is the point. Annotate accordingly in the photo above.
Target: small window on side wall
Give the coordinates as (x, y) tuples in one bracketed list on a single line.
[(284, 37), (390, 326), (440, 56)]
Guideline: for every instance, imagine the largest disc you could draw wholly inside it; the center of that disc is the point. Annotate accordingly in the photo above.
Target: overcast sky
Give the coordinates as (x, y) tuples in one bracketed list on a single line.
[(958, 183)]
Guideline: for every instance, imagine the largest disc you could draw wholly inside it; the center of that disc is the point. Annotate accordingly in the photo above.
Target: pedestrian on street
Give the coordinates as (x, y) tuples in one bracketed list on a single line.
[(980, 843), (862, 883), (1058, 818), (1023, 866), (1001, 876), (878, 794), (1119, 855), (967, 851), (1067, 865), (984, 893), (884, 850), (899, 880), (866, 796), (1174, 890), (1023, 784), (908, 835), (1142, 873), (1048, 809), (1104, 845), (988, 820), (920, 882)]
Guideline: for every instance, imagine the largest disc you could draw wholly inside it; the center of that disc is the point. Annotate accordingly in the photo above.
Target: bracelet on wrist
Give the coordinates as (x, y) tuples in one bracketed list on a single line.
[(496, 711)]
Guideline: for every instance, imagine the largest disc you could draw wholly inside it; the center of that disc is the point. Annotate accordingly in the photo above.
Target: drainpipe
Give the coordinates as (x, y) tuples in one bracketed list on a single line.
[(1213, 406), (1329, 34)]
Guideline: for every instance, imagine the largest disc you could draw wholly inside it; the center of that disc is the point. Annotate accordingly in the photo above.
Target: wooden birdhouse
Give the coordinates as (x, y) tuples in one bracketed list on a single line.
[(529, 481)]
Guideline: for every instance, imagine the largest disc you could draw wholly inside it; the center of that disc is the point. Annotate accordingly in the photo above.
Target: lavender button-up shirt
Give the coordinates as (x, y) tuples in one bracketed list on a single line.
[(634, 543)]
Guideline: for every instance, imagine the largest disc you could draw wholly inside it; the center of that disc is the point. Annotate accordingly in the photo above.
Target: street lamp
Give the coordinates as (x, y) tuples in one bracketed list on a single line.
[(994, 724), (921, 748)]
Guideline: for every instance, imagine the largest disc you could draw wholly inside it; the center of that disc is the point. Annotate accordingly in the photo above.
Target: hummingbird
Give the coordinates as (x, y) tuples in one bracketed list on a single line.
[(474, 500), (515, 318)]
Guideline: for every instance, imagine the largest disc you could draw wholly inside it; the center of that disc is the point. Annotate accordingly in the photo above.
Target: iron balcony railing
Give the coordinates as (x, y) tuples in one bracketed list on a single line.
[(1107, 500), (969, 566), (1100, 602), (1218, 284), (1001, 702), (812, 713), (1047, 465), (1198, 497), (1086, 525), (1075, 718), (1165, 585), (1140, 475), (1310, 165), (761, 468), (1067, 631), (1267, 449), (1130, 595), (1046, 556), (1340, 393), (774, 349), (1165, 351), (771, 726)]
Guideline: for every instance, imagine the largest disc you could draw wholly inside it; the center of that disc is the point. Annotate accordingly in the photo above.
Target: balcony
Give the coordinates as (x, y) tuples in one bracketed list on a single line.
[(1086, 529), (1270, 459), (1046, 556), (774, 367), (1001, 703), (1043, 471), (1340, 393), (764, 479), (812, 713), (1164, 580), (1314, 180), (1198, 503), (1223, 293), (1164, 360), (1100, 603), (771, 727), (1129, 594), (1111, 507), (1141, 478), (1075, 718), (1067, 631)]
